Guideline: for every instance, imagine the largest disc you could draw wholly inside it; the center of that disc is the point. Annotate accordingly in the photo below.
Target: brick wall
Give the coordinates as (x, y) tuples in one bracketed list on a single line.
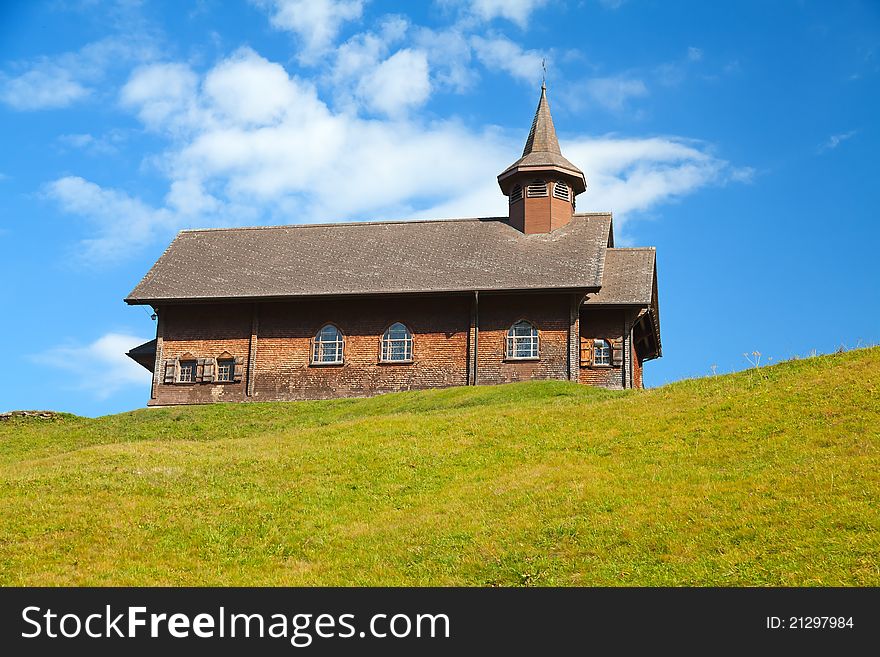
[(440, 346), (637, 370), (606, 324), (205, 331), (549, 313), (443, 336)]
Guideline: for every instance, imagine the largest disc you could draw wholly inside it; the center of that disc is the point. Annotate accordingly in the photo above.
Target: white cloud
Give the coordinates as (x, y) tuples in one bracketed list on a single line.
[(516, 11), (162, 94), (449, 56), (55, 82), (694, 54), (363, 77), (613, 93), (629, 176), (398, 84), (119, 220), (105, 144), (46, 87), (100, 367), (316, 22), (500, 53), (276, 153), (835, 140)]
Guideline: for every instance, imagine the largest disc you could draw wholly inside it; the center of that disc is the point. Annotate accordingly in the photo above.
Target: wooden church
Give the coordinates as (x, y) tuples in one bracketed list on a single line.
[(318, 311)]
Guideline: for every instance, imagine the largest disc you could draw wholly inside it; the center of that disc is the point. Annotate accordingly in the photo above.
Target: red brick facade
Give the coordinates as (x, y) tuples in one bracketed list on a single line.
[(273, 342), (605, 324)]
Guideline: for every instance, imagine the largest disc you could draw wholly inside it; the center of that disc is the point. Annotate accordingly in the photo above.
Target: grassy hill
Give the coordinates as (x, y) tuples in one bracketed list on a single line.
[(767, 476)]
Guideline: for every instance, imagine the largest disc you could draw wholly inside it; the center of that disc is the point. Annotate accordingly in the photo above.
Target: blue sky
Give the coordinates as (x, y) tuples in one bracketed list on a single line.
[(739, 139)]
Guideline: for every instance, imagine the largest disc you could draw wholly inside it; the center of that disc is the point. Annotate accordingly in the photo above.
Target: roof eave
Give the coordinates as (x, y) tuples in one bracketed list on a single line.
[(568, 289), (576, 177)]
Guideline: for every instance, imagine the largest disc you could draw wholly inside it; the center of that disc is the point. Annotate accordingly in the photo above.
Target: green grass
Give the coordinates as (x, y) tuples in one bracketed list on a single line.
[(765, 477)]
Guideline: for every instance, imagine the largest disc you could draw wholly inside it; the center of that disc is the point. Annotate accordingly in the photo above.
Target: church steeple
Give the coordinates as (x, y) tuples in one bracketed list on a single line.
[(542, 184), (542, 136)]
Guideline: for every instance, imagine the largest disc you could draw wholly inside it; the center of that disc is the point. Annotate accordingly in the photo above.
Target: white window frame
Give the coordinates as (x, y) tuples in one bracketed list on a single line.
[(601, 352), (190, 366), (321, 347), (514, 341), (221, 363), (388, 344)]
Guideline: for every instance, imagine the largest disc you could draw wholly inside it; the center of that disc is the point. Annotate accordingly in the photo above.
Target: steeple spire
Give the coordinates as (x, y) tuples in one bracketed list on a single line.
[(542, 184), (542, 136)]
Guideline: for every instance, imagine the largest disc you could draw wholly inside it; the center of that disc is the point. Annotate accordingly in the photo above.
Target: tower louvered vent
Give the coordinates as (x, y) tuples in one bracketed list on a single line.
[(561, 191), (537, 188)]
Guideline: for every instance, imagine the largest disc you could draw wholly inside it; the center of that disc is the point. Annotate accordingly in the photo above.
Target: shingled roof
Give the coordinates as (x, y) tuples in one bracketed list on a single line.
[(628, 277), (542, 149), (411, 257)]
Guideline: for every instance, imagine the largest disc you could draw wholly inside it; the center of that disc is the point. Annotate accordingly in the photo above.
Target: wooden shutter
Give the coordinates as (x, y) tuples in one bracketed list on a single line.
[(586, 352), (170, 370), (200, 369), (209, 367), (238, 373), (617, 352)]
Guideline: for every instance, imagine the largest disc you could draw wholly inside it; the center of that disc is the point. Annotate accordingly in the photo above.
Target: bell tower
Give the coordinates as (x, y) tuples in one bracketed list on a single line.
[(542, 184)]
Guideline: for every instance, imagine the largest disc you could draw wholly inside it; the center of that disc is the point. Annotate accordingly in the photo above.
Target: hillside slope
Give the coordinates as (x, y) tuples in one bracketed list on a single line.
[(767, 476)]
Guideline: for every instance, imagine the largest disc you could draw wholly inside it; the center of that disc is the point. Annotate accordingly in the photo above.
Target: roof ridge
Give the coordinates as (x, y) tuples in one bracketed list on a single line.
[(632, 248), (379, 222)]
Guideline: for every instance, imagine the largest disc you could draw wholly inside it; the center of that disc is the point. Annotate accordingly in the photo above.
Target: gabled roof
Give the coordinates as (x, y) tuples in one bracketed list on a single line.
[(628, 277), (144, 354), (373, 258), (542, 149)]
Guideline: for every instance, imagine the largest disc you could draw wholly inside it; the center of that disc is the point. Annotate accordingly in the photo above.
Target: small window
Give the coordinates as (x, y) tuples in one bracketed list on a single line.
[(522, 341), (516, 193), (537, 188), (225, 369), (187, 372), (397, 344), (328, 346), (601, 352), (560, 191)]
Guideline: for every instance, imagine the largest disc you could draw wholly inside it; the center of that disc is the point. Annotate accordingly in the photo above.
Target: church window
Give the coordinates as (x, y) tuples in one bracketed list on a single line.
[(522, 341), (397, 344), (601, 352), (328, 346)]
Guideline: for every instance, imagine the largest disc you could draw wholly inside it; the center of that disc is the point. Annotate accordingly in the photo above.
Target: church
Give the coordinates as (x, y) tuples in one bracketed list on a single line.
[(318, 311)]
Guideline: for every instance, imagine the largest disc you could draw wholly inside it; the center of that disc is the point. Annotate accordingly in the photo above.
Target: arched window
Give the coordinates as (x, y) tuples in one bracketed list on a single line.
[(522, 341), (537, 188), (328, 346), (601, 352), (397, 344), (516, 193), (560, 191)]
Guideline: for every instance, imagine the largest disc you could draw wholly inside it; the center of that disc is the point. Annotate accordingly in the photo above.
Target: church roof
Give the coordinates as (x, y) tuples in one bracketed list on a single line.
[(542, 147), (628, 277), (373, 258)]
